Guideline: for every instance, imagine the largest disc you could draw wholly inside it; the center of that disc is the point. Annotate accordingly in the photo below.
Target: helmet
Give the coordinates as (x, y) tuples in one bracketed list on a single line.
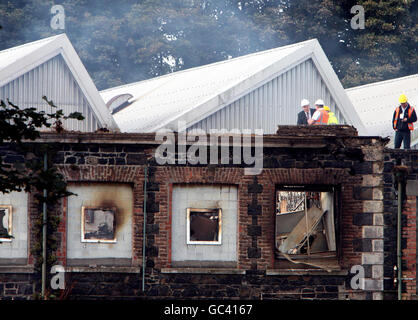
[(304, 102), (319, 102), (327, 108), (402, 98)]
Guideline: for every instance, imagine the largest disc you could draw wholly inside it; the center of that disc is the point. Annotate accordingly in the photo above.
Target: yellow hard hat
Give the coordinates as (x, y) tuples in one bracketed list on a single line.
[(327, 108), (402, 98)]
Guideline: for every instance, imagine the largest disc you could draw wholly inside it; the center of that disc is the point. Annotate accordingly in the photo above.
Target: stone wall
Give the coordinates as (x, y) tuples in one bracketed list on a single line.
[(357, 167), (392, 159)]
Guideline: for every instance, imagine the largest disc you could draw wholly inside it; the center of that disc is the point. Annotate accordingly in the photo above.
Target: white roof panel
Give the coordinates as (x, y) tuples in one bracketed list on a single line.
[(376, 102), (19, 60), (10, 56), (193, 94), (157, 100)]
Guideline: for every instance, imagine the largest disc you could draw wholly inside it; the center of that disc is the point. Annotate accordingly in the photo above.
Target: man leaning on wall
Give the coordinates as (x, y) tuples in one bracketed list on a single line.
[(403, 118)]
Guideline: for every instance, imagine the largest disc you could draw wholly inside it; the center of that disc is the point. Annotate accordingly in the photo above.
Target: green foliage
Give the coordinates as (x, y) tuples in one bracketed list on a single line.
[(53, 221), (386, 48), (125, 41), (27, 170), (129, 40), (27, 173)]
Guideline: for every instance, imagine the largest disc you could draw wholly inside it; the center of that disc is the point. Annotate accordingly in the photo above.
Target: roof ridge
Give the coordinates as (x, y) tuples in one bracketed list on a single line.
[(381, 82), (210, 64), (31, 43)]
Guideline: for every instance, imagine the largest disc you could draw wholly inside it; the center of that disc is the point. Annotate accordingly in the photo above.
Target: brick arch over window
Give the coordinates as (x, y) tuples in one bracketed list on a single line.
[(307, 176), (133, 175), (97, 173)]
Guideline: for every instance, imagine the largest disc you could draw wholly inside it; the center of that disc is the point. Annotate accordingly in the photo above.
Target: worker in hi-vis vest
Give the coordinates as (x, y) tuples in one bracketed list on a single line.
[(403, 118), (332, 118), (321, 115)]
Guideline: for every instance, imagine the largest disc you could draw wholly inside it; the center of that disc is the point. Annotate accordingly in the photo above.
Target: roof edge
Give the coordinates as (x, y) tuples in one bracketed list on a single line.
[(336, 89), (208, 65), (31, 43), (381, 82), (60, 44), (86, 84), (211, 105)]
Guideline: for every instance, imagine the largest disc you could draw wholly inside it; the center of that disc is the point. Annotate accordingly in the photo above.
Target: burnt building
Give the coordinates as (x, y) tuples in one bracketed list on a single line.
[(312, 214), (322, 208)]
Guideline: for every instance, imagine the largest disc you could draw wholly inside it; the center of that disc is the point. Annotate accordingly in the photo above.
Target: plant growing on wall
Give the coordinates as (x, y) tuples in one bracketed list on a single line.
[(22, 166), (23, 171)]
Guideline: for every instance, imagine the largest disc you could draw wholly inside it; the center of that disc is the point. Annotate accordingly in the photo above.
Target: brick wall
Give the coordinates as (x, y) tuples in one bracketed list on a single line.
[(409, 210), (409, 252), (16, 286), (256, 219), (357, 167)]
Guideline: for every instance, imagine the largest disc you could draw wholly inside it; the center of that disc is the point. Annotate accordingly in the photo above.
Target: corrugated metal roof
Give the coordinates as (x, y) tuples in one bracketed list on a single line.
[(275, 102), (11, 55), (53, 79), (193, 94), (18, 61), (376, 102), (160, 99)]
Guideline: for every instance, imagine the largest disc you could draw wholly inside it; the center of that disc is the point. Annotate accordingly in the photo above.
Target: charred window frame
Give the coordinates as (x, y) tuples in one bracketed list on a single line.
[(6, 223), (314, 239), (204, 226), (98, 231)]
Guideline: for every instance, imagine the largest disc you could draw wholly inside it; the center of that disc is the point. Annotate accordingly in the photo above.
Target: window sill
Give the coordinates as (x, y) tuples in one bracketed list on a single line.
[(313, 272), (104, 269), (17, 269), (203, 270)]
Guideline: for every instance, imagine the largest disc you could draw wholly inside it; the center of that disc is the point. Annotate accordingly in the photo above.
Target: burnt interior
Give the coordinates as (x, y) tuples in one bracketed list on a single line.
[(305, 231), (204, 225), (99, 223), (98, 220)]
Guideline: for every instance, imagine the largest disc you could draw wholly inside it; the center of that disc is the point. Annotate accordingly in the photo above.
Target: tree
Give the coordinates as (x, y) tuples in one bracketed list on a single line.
[(296, 21), (386, 48), (21, 165), (129, 40), (134, 40)]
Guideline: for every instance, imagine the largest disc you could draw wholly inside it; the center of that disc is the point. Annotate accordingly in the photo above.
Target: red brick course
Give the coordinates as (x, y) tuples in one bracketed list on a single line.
[(409, 253)]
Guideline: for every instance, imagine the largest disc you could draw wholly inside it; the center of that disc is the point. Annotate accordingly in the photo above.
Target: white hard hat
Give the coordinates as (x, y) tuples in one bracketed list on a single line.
[(319, 102), (304, 102)]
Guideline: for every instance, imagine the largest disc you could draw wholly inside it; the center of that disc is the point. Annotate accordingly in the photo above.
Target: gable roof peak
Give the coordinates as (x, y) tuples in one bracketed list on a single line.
[(16, 61)]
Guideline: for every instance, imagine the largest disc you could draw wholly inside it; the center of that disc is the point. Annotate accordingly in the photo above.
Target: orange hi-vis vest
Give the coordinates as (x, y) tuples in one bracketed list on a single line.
[(323, 119), (410, 125)]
